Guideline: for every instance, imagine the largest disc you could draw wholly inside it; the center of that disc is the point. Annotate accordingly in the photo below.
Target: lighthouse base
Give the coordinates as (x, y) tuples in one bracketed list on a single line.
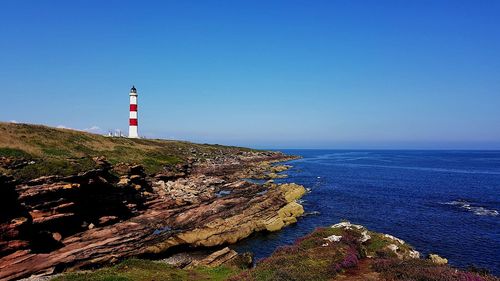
[(132, 132)]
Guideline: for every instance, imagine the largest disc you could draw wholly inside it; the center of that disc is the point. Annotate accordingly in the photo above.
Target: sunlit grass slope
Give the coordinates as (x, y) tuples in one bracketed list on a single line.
[(64, 151)]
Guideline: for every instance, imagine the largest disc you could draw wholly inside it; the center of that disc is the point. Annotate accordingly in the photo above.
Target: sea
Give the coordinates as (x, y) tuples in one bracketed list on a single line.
[(443, 202)]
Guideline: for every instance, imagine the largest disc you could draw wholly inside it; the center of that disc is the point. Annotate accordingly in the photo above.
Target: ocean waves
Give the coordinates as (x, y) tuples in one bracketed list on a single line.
[(476, 210)]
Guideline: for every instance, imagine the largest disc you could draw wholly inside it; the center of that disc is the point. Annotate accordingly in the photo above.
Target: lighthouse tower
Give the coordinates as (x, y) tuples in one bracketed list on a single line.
[(132, 129)]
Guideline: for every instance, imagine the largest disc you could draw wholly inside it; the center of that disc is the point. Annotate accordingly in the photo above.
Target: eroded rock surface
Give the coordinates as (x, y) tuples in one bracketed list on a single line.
[(107, 214)]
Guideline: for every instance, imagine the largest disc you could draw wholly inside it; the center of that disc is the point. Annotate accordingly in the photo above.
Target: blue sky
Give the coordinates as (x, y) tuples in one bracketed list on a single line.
[(266, 74)]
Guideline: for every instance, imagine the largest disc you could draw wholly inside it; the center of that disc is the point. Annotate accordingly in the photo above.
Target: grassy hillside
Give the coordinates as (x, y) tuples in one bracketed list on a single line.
[(64, 152)]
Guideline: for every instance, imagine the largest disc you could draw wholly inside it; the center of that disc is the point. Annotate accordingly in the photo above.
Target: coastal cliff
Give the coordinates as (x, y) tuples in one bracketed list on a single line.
[(78, 206), (343, 252), (72, 200)]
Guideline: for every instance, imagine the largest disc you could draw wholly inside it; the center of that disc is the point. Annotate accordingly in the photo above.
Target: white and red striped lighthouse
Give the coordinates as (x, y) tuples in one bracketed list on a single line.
[(133, 124)]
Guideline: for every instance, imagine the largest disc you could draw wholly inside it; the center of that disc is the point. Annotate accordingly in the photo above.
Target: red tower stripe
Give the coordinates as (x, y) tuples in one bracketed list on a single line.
[(133, 122), (133, 107)]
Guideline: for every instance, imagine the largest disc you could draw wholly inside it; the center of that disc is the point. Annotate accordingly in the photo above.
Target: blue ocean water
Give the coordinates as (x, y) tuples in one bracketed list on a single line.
[(444, 202)]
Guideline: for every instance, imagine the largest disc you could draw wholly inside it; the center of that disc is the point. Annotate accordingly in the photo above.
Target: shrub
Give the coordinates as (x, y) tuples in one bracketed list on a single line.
[(415, 269), (351, 259), (287, 250)]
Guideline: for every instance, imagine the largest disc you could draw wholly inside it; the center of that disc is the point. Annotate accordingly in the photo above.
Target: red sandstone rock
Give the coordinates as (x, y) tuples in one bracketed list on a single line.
[(128, 222)]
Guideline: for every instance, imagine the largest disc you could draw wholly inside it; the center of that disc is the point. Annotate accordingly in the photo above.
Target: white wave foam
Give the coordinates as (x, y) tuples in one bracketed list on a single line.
[(477, 210), (313, 213)]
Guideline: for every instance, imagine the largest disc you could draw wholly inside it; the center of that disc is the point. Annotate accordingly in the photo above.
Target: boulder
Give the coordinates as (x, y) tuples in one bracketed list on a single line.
[(436, 259), (218, 258), (292, 191)]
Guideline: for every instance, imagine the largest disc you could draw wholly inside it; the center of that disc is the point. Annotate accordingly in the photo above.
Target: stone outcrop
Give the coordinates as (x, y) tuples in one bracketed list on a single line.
[(251, 210), (392, 246), (222, 257), (14, 219), (436, 259), (110, 213), (291, 191), (268, 170), (43, 211), (218, 258)]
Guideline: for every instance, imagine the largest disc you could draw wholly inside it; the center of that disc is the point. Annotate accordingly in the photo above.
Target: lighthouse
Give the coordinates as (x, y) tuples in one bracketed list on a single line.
[(133, 124)]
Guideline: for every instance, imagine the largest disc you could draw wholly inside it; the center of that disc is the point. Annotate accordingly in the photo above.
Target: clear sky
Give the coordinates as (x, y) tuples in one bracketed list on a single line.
[(266, 74)]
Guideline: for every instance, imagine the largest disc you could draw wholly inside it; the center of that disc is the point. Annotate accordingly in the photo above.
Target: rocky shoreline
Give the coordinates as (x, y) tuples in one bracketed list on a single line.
[(343, 251), (161, 210), (114, 212)]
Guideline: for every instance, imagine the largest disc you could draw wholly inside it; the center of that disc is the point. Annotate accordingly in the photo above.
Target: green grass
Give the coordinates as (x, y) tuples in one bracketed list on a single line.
[(56, 151), (145, 270), (217, 273), (54, 167), (376, 243), (63, 152), (13, 152)]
